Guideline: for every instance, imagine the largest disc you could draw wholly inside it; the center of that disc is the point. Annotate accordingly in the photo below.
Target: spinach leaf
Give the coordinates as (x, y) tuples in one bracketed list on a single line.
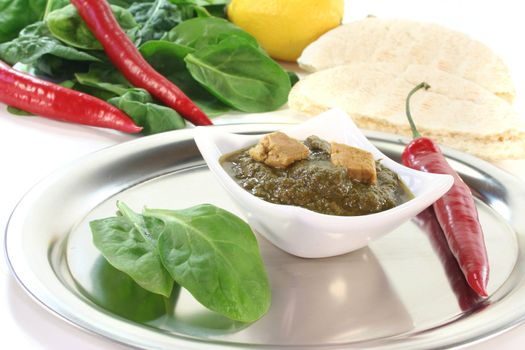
[(155, 18), (68, 84), (294, 78), (17, 14), (58, 69), (107, 83), (66, 25), (123, 3), (93, 91), (205, 249), (205, 31), (17, 111), (127, 243), (105, 77), (36, 41), (154, 118), (205, 8), (217, 10), (120, 294), (202, 12), (240, 75), (168, 59), (201, 2), (53, 5), (214, 255), (165, 50)]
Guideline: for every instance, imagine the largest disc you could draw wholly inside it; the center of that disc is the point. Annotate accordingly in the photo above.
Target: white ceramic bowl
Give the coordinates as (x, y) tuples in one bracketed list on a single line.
[(303, 232)]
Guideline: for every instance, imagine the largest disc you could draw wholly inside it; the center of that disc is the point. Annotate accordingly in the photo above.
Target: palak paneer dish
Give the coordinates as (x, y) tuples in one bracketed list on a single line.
[(325, 177)]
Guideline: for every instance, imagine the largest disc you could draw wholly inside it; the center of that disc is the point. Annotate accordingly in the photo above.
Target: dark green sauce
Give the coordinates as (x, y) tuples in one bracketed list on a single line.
[(316, 184)]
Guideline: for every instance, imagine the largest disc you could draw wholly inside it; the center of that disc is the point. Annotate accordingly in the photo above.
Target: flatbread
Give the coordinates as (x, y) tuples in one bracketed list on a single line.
[(455, 112), (407, 42)]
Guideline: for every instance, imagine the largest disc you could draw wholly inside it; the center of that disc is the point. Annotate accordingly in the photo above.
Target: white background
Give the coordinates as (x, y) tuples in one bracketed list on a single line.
[(31, 147)]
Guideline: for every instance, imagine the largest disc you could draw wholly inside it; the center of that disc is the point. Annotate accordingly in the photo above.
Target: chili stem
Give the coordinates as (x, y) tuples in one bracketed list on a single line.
[(420, 86)]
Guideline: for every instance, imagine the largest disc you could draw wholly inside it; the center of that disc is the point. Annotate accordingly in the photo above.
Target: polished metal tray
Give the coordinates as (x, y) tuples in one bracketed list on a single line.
[(401, 292)]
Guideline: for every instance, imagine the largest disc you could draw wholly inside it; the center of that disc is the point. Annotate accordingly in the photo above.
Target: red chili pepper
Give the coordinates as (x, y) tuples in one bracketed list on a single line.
[(466, 297), (53, 101), (456, 210), (125, 56)]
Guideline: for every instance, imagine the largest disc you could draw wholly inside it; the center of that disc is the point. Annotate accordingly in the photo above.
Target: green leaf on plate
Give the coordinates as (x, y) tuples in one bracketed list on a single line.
[(205, 249), (118, 293), (215, 256), (126, 242)]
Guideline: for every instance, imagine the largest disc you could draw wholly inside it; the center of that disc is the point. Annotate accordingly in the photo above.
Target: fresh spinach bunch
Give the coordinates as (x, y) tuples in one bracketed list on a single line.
[(215, 63), (205, 249)]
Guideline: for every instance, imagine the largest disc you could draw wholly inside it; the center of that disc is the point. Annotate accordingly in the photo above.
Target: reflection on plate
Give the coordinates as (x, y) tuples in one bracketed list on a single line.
[(393, 294), (324, 301)]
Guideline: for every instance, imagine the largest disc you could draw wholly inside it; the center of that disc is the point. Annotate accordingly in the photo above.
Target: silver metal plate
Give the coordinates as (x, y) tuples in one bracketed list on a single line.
[(398, 293)]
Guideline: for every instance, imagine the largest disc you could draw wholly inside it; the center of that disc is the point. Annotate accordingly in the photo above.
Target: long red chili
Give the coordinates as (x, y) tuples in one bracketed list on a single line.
[(455, 211), (53, 101), (466, 296), (125, 56)]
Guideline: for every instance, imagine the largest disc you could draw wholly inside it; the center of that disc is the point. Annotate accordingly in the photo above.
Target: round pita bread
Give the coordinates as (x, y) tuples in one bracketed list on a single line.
[(455, 112), (407, 42)]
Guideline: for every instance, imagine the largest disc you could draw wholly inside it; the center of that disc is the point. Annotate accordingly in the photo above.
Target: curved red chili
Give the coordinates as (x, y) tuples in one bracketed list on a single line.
[(455, 211), (125, 56), (53, 101), (466, 296)]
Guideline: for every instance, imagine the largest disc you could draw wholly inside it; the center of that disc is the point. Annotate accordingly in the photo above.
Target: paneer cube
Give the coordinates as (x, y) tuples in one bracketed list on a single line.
[(278, 150), (359, 163)]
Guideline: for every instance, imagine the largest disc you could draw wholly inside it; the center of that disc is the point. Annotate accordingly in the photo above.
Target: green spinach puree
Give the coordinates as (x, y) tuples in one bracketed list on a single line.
[(316, 184)]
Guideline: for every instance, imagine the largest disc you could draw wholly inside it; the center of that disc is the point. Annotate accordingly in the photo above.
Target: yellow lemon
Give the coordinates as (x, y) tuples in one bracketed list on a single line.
[(285, 27)]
